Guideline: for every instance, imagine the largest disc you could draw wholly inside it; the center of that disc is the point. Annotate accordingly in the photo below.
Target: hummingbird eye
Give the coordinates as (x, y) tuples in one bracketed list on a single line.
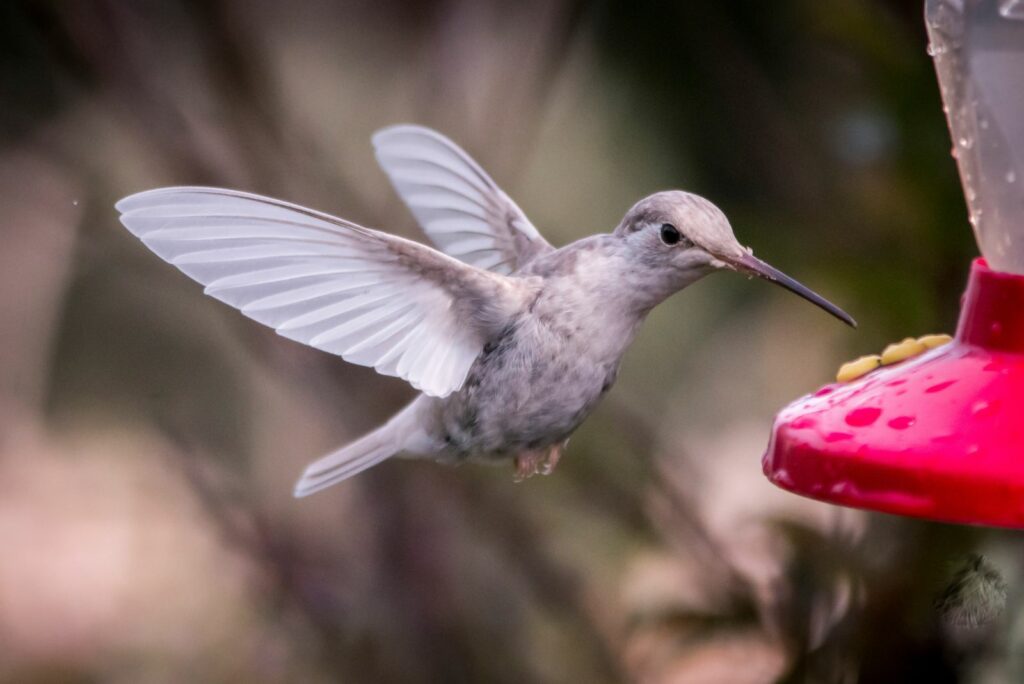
[(670, 235)]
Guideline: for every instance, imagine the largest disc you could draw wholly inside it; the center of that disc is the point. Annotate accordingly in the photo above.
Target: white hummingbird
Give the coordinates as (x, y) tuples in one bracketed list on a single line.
[(510, 341)]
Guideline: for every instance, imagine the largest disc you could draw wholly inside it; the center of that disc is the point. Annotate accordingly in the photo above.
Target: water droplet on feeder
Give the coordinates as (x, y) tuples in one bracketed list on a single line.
[(863, 416), (1011, 176), (939, 387), (902, 422), (984, 408), (804, 423), (975, 217), (838, 436), (782, 478)]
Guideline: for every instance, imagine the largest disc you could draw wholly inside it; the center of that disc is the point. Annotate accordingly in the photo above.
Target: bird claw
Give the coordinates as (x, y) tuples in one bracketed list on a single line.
[(538, 462)]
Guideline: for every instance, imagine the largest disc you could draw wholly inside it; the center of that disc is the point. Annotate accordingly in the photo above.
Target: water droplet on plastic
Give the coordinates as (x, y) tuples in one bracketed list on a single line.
[(1011, 176), (782, 478), (939, 387), (965, 142), (863, 416), (983, 408), (803, 423), (838, 436), (843, 488), (983, 123), (902, 422)]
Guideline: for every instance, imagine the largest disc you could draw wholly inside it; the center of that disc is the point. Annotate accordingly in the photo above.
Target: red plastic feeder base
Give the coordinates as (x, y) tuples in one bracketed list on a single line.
[(939, 436)]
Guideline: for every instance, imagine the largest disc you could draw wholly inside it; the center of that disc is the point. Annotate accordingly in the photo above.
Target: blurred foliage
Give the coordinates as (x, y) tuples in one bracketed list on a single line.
[(149, 436)]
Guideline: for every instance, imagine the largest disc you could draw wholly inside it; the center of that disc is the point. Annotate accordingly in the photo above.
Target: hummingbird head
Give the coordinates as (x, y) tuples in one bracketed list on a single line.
[(685, 237)]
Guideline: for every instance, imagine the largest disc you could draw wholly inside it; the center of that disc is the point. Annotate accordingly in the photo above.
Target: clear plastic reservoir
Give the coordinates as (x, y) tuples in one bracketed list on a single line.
[(978, 48)]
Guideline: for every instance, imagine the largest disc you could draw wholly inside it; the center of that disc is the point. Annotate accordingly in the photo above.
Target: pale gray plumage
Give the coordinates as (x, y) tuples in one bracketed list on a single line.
[(510, 341)]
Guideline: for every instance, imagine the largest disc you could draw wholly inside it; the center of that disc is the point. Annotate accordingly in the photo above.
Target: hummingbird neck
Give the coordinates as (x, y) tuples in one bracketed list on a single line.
[(606, 278), (633, 287)]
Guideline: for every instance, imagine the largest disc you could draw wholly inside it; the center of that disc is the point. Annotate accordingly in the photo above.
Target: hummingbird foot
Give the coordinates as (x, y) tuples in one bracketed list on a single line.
[(538, 462)]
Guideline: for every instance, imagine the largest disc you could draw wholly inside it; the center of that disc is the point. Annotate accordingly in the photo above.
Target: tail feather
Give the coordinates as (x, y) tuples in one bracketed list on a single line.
[(365, 452), (340, 465)]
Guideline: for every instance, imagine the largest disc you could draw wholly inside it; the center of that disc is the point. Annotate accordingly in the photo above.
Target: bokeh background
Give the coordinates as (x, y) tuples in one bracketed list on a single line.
[(150, 436)]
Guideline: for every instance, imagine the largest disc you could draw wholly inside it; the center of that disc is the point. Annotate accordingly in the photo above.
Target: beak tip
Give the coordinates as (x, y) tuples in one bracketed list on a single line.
[(840, 314), (755, 266)]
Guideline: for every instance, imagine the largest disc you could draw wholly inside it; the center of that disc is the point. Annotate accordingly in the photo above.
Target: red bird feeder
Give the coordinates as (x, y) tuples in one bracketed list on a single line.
[(938, 436), (941, 435)]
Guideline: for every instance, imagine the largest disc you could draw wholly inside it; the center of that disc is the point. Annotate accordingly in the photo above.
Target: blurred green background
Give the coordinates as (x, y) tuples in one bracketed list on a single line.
[(150, 436)]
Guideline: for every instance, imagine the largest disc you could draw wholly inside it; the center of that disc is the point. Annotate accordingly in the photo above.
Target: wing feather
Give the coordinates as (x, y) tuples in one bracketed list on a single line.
[(371, 298), (449, 193)]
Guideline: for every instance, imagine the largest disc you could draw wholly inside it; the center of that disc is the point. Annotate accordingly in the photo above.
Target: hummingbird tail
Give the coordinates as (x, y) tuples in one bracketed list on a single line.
[(367, 451)]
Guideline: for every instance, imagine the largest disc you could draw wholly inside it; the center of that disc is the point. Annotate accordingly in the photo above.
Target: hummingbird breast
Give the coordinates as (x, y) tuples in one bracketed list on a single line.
[(535, 383)]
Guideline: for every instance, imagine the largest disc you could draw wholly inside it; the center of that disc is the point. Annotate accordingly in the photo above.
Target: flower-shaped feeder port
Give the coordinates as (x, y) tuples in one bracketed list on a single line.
[(938, 436)]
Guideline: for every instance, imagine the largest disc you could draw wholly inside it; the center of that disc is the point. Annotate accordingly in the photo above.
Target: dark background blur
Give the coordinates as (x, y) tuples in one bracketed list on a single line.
[(150, 436)]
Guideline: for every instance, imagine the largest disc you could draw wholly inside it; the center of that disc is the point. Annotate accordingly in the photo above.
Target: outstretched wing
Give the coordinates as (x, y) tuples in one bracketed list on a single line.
[(458, 205), (373, 299)]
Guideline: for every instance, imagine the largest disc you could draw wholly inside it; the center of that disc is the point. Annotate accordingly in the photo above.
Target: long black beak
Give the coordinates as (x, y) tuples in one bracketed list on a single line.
[(750, 264)]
